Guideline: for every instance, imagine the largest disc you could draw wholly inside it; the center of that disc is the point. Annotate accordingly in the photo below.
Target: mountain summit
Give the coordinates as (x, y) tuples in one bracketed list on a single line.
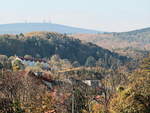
[(31, 27)]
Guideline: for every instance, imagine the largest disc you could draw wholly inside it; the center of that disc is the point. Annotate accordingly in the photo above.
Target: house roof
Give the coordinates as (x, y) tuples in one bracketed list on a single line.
[(33, 59)]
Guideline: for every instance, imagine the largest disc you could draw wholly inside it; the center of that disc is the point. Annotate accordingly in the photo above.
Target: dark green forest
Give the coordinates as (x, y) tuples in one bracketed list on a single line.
[(46, 44)]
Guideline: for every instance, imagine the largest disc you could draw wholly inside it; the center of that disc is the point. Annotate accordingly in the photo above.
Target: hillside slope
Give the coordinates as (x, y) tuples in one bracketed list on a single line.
[(30, 27), (46, 44), (133, 41)]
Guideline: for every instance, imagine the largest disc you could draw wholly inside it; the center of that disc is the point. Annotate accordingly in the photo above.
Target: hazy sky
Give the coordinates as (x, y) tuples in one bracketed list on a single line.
[(103, 15)]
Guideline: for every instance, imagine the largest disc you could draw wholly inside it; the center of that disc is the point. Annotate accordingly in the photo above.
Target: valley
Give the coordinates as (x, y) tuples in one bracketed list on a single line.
[(49, 72)]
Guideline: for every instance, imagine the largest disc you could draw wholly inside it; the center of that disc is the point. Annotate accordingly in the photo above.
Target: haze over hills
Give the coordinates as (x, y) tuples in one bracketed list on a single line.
[(124, 42), (17, 28)]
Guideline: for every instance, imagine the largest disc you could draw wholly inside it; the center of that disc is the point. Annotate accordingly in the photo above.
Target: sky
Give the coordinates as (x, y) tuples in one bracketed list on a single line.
[(102, 15)]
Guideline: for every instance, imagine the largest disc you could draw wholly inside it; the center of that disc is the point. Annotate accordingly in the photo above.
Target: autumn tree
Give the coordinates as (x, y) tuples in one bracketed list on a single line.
[(135, 95), (90, 62), (146, 64), (4, 62), (17, 65)]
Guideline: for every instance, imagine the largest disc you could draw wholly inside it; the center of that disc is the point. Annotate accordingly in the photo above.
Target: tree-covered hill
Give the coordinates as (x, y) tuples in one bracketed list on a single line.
[(131, 41), (46, 44), (141, 36)]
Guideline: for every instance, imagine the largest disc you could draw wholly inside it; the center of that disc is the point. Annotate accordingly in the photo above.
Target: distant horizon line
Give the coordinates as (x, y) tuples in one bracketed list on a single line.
[(72, 26)]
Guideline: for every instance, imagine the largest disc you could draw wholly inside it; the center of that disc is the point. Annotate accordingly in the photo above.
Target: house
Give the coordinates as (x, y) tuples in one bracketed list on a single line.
[(92, 83), (33, 62)]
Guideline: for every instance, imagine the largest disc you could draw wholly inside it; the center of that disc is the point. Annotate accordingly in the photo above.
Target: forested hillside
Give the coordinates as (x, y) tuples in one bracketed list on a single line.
[(46, 44), (127, 43), (80, 74), (141, 36)]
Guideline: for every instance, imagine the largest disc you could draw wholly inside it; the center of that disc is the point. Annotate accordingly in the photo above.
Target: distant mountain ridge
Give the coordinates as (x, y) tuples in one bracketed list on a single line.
[(123, 42), (17, 28), (142, 30)]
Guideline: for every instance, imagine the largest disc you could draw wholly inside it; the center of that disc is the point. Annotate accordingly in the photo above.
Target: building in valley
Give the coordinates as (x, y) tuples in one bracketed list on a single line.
[(33, 62)]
